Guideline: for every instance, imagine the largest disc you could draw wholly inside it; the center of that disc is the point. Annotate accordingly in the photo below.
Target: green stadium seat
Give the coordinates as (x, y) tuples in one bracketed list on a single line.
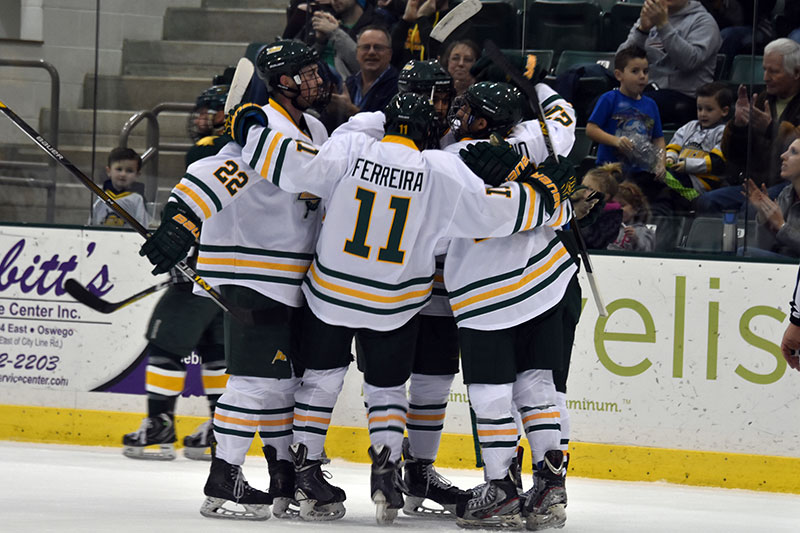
[(499, 21), (746, 69), (572, 58), (563, 25), (619, 21)]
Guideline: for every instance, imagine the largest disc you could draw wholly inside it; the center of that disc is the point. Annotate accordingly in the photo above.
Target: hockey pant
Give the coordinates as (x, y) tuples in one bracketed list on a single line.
[(535, 398), (253, 404), (427, 402)]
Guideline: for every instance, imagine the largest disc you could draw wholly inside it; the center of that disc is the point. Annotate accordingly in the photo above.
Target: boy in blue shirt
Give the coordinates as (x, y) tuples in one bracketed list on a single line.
[(626, 124)]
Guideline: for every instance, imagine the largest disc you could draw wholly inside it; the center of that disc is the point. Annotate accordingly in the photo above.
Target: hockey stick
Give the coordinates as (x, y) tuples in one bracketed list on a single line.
[(530, 91), (455, 18), (89, 299), (241, 314), (239, 83)]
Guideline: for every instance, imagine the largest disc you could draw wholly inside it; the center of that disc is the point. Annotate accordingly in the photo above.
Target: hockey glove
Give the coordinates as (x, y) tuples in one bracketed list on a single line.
[(491, 162), (241, 118), (173, 239), (561, 172), (484, 69)]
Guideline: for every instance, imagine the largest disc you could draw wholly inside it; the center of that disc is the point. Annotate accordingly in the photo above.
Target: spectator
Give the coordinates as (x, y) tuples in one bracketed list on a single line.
[(769, 136), (681, 39), (626, 124), (634, 235), (778, 229), (737, 38), (124, 166), (411, 34), (600, 232), (206, 123), (371, 88), (336, 33), (694, 155), (457, 59)]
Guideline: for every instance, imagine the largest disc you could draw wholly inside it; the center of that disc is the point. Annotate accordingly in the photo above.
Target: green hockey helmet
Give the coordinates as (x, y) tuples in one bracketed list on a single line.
[(207, 117), (213, 98), (412, 116), (424, 77), (286, 58), (500, 104)]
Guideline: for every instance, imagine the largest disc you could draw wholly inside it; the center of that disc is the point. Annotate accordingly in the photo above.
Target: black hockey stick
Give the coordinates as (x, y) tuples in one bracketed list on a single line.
[(241, 314), (89, 299), (529, 89)]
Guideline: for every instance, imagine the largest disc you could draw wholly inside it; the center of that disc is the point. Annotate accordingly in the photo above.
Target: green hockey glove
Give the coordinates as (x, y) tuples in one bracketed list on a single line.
[(491, 162), (173, 239)]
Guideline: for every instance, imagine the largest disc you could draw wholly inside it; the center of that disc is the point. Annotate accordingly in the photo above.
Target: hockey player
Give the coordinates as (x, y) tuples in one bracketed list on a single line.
[(509, 317), (182, 322), (436, 361), (388, 204), (258, 266)]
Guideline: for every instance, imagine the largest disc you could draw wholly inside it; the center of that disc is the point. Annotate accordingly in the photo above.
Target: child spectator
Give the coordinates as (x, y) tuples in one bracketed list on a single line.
[(694, 155), (627, 125), (124, 165), (633, 234), (601, 232)]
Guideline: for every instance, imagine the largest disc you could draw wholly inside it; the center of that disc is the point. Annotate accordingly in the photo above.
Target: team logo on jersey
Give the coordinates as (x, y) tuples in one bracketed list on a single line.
[(279, 356)]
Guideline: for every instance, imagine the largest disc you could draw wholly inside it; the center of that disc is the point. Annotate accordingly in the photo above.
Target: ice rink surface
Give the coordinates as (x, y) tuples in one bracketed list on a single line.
[(59, 488)]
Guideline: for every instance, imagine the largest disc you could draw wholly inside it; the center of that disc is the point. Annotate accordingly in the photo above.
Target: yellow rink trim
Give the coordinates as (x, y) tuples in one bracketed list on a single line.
[(603, 461)]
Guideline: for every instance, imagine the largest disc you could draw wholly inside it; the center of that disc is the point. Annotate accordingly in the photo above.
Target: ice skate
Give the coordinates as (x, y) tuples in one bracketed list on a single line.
[(228, 495), (318, 499), (385, 484), (281, 485), (544, 505), (157, 430), (495, 506), (423, 484), (197, 446)]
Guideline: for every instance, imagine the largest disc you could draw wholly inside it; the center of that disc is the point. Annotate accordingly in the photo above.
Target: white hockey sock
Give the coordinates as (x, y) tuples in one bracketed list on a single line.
[(427, 402), (535, 397), (497, 431), (386, 413), (240, 412), (314, 401), (561, 403)]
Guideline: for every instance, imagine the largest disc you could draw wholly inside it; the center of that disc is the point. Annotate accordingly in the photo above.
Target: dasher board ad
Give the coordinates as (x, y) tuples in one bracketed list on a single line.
[(688, 358), (47, 339)]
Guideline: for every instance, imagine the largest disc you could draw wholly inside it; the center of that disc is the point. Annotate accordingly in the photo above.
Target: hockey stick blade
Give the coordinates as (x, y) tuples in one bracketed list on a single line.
[(455, 18), (529, 89), (243, 315), (89, 299), (241, 80)]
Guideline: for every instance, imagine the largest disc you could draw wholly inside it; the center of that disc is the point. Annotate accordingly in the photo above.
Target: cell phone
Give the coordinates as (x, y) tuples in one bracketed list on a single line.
[(592, 195)]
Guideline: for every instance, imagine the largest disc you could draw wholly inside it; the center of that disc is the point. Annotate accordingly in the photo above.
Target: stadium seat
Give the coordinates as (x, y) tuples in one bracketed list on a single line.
[(563, 25), (544, 58), (669, 232), (494, 15), (582, 147), (252, 51), (619, 21), (571, 58), (746, 69), (705, 235)]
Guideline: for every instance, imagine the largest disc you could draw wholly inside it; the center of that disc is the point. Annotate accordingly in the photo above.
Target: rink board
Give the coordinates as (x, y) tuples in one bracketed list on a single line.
[(683, 381)]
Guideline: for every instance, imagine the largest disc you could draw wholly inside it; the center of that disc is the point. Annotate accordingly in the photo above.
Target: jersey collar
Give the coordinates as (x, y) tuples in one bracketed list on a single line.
[(405, 141), (282, 110)]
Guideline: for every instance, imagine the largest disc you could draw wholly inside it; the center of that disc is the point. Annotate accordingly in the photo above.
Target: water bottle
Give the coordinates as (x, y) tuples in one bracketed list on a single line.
[(729, 231)]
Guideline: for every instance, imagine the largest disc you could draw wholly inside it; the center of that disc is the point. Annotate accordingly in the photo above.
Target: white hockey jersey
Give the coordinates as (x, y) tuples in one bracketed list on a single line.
[(388, 205), (499, 283), (265, 239)]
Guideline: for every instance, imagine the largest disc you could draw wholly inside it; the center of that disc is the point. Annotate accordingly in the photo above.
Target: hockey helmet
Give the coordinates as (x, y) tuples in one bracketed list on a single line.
[(207, 117), (283, 58), (429, 79), (412, 116), (499, 104)]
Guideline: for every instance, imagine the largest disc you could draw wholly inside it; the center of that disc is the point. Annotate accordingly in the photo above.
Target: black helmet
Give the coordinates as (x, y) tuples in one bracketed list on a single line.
[(423, 77), (213, 98), (209, 103), (412, 116), (281, 58), (499, 104)]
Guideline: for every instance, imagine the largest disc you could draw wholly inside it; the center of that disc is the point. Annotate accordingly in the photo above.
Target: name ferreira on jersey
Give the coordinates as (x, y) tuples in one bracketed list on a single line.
[(386, 176)]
